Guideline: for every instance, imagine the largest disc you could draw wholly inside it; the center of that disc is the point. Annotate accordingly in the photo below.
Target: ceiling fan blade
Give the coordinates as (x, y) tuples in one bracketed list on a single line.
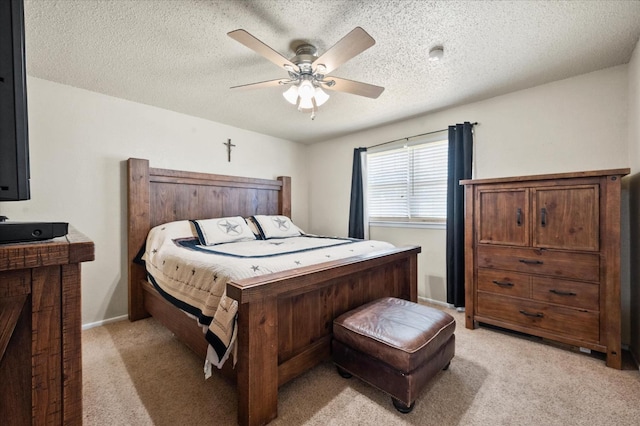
[(354, 43), (260, 85), (257, 46), (354, 87)]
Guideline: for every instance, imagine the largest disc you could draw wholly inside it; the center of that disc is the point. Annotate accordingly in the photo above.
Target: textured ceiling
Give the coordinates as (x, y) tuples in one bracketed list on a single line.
[(176, 54)]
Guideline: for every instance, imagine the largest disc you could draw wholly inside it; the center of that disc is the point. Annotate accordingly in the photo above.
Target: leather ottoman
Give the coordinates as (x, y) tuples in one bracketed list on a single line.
[(394, 345)]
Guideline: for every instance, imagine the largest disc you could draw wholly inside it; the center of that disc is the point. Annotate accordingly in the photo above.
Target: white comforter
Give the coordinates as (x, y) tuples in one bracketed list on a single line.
[(194, 277)]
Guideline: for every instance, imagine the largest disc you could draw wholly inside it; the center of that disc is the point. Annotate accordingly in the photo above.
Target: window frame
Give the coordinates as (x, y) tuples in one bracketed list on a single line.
[(398, 222)]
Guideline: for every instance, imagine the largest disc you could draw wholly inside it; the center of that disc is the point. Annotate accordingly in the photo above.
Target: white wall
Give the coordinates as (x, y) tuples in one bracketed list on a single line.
[(634, 198), (570, 125), (432, 261), (79, 142)]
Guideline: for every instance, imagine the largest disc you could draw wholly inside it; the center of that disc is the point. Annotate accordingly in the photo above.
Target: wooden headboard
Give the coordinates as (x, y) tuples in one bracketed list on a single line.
[(157, 196)]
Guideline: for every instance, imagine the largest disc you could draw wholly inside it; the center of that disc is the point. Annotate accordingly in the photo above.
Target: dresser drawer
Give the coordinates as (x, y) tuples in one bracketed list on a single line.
[(580, 266), (504, 282), (570, 293), (579, 324)]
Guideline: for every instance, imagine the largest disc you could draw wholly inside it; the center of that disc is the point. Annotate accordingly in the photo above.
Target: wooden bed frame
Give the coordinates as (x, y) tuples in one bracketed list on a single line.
[(284, 319)]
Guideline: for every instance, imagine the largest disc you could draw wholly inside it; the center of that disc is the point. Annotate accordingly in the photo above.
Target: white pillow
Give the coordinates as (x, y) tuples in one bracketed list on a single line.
[(222, 230), (273, 226)]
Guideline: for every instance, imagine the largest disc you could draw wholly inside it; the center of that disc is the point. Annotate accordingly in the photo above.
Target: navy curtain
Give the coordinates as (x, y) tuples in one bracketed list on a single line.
[(356, 209), (460, 161)]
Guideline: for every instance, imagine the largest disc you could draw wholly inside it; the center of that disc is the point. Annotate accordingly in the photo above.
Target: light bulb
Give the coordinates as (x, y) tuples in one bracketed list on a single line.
[(305, 103), (291, 94), (321, 96), (306, 90)]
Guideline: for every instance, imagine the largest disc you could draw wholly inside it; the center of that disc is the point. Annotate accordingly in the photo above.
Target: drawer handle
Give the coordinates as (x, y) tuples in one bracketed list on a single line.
[(543, 217), (531, 262), (562, 293), (519, 217), (503, 283), (529, 314)]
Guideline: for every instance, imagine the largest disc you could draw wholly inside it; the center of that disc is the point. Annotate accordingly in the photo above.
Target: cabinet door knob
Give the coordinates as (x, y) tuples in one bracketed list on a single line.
[(543, 217), (519, 217)]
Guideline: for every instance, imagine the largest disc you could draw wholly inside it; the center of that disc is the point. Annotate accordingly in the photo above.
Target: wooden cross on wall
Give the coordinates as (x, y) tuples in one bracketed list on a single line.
[(228, 145)]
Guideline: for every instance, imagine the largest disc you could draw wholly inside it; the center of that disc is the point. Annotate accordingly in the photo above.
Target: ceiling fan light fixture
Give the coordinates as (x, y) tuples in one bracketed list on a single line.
[(320, 96), (291, 94), (305, 103), (306, 90)]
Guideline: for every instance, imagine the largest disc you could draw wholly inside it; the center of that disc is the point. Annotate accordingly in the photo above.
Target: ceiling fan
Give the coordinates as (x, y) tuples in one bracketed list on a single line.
[(308, 71)]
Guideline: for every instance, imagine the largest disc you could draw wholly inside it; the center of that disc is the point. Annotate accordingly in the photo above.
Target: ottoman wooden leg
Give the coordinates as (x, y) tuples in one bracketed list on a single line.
[(401, 407), (344, 373)]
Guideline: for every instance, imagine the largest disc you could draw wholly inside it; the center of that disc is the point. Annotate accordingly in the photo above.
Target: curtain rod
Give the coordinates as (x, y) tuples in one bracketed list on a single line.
[(414, 136)]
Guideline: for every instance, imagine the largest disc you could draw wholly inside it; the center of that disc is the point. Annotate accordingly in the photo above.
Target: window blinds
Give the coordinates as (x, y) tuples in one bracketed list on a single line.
[(408, 183)]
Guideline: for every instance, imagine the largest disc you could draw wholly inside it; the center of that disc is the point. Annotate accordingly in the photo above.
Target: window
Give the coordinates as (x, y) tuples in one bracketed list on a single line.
[(408, 184)]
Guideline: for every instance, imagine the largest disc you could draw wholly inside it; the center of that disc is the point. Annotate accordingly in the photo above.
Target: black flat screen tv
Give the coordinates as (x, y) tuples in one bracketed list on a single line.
[(14, 137)]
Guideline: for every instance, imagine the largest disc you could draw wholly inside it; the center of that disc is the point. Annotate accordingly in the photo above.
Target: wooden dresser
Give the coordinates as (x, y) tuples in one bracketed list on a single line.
[(40, 331), (542, 256)]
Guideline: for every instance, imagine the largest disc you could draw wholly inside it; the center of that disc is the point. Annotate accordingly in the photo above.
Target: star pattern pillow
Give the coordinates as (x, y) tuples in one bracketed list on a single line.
[(273, 226), (223, 230)]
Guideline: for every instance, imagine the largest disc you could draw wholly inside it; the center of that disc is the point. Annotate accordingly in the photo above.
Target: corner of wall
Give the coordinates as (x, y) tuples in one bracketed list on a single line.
[(634, 199)]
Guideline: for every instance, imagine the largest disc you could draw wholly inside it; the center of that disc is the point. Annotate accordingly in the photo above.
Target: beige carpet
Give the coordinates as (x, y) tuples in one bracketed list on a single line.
[(139, 374)]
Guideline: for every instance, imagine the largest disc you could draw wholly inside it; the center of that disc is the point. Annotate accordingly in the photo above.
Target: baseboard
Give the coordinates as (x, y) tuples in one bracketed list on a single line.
[(104, 322), (435, 302)]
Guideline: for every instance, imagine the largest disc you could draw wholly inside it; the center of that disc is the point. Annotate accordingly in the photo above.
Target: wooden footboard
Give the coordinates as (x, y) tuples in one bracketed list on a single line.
[(284, 319), (294, 313)]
